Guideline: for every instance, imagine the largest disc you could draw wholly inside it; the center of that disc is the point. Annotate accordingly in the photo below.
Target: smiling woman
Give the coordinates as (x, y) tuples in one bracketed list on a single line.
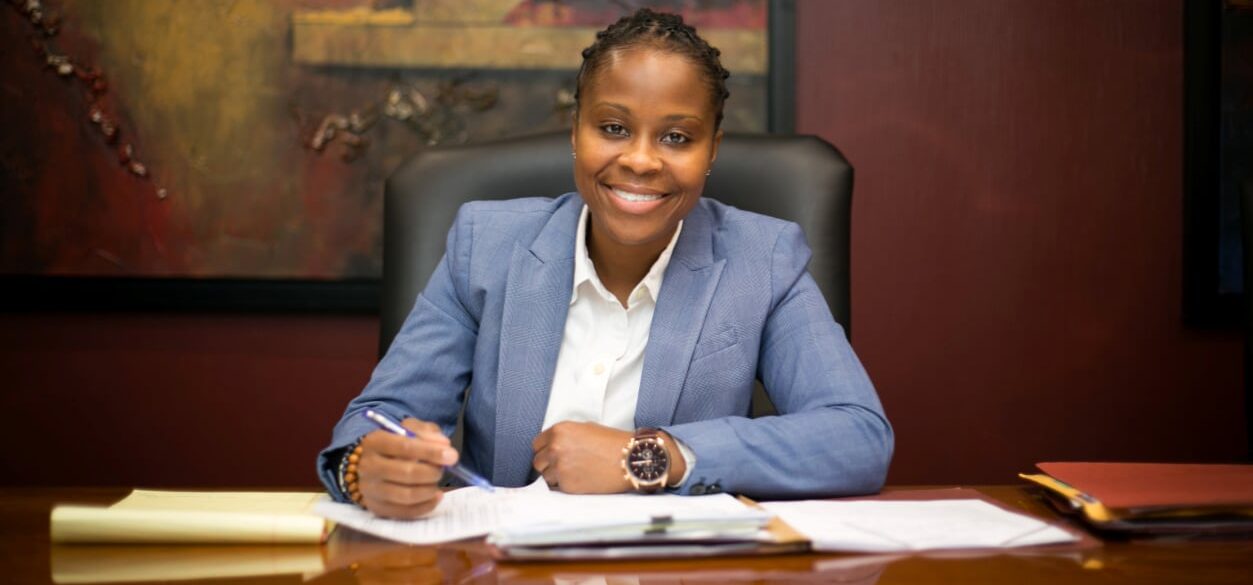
[(646, 132), (610, 338)]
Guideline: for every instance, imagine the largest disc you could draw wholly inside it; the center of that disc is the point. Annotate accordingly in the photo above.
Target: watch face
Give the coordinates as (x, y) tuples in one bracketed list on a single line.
[(648, 461)]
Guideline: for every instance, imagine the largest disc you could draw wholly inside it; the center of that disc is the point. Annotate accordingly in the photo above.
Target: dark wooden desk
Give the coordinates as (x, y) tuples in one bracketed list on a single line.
[(27, 557)]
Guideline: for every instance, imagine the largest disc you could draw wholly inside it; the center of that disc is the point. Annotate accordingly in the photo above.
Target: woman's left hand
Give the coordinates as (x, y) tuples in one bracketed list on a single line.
[(582, 458)]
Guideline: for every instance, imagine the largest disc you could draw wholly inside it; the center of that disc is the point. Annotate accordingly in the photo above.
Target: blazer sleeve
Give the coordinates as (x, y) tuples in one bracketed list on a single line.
[(831, 438), (426, 370)]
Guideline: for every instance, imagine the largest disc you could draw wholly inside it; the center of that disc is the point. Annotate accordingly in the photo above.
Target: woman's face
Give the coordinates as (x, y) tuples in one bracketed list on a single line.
[(643, 140)]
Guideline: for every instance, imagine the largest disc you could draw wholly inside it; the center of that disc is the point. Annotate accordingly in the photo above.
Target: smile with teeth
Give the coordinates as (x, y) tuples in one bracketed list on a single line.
[(629, 196)]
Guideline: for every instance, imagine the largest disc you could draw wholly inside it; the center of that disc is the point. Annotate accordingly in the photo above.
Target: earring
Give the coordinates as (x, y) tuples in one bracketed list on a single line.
[(709, 172), (574, 154)]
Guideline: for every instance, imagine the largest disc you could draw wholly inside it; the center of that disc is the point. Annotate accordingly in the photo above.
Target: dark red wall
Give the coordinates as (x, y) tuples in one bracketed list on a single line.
[(153, 400), (1017, 265), (1017, 230)]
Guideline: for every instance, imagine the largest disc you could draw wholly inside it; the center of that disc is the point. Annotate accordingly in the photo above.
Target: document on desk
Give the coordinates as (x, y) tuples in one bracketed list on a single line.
[(889, 526), (535, 516), (159, 516), (463, 513)]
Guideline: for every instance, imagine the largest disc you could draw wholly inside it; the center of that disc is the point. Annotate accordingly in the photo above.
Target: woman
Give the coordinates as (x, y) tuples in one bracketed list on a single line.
[(610, 339)]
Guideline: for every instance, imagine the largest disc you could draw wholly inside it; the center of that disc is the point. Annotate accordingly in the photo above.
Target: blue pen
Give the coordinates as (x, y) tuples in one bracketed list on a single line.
[(386, 423)]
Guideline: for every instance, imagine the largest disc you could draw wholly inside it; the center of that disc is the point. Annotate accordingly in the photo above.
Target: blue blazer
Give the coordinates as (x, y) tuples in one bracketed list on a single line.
[(736, 305)]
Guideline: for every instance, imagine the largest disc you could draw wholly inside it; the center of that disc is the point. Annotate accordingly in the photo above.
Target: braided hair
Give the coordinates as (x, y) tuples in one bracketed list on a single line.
[(661, 30)]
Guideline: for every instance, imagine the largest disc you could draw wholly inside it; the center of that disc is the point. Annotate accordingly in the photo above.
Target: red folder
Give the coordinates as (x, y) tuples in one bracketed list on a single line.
[(1134, 488), (1178, 499)]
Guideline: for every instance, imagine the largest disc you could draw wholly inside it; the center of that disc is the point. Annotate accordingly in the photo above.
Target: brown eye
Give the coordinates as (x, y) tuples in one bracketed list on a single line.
[(614, 129), (674, 138)]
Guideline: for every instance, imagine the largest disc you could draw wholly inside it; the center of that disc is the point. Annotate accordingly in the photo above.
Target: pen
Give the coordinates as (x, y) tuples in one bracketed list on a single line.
[(386, 423)]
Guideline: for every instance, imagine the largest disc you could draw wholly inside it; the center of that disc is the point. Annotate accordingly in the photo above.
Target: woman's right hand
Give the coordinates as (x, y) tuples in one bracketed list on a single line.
[(399, 476)]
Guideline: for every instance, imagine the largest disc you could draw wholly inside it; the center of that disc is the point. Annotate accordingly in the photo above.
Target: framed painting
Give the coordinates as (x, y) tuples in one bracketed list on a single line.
[(1218, 158), (192, 155)]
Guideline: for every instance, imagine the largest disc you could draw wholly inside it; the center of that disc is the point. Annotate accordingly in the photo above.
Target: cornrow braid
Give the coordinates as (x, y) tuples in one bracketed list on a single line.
[(663, 30)]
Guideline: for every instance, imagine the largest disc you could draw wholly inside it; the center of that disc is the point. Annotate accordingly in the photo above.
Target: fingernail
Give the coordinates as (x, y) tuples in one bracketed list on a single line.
[(449, 455)]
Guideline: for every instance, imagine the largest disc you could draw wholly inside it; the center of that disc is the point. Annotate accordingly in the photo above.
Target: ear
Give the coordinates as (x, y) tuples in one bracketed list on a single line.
[(574, 131), (713, 153)]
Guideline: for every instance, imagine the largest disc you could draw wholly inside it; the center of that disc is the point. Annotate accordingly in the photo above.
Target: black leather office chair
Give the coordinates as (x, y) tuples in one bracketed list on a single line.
[(799, 178)]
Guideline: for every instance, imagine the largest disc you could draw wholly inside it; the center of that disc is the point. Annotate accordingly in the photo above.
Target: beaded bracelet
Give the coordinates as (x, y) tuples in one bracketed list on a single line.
[(347, 478)]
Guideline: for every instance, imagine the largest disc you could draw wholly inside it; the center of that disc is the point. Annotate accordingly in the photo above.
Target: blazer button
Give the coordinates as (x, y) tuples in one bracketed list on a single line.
[(713, 488), (698, 489)]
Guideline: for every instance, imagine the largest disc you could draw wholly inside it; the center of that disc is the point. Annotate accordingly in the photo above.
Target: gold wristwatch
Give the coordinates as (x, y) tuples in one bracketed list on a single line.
[(645, 461)]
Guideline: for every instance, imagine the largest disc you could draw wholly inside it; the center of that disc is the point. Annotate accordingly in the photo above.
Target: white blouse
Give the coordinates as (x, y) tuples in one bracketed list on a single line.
[(602, 350)]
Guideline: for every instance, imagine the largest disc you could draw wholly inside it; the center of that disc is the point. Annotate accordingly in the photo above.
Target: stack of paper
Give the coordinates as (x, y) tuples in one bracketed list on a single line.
[(202, 517), (532, 517), (1153, 498), (554, 518), (534, 523)]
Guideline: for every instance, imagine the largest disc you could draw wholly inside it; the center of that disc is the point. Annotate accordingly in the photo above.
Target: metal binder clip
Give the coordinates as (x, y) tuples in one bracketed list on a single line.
[(658, 524)]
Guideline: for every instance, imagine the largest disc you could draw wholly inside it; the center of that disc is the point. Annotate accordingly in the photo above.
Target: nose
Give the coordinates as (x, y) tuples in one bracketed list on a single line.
[(641, 156)]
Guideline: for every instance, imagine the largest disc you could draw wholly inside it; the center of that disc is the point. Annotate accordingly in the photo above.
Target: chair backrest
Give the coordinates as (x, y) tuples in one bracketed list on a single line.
[(798, 178)]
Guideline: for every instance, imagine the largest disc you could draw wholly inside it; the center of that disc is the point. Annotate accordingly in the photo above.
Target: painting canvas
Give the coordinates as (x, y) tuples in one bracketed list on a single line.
[(209, 140)]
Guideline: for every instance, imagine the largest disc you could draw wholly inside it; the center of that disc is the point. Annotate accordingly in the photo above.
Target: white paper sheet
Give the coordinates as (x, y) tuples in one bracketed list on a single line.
[(524, 512), (463, 513), (887, 526)]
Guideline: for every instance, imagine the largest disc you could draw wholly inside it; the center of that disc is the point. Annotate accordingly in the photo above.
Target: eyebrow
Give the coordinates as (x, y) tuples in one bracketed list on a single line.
[(670, 118)]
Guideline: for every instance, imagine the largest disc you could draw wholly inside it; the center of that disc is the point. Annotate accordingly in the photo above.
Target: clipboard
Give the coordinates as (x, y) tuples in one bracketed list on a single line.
[(777, 538)]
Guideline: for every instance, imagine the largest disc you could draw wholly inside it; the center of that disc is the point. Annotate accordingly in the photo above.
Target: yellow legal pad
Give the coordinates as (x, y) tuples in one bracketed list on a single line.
[(151, 516)]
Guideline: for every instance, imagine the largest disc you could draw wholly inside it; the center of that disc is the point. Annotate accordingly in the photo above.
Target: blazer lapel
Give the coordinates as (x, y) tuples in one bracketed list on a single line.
[(537, 300), (686, 292)]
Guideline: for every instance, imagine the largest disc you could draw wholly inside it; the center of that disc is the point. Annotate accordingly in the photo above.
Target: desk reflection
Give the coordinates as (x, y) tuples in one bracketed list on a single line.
[(368, 560), (354, 558), (89, 563), (348, 557), (351, 557), (852, 570), (371, 561)]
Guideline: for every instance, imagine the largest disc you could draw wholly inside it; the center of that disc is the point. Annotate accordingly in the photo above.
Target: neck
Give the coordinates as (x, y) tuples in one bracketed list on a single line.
[(620, 267)]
